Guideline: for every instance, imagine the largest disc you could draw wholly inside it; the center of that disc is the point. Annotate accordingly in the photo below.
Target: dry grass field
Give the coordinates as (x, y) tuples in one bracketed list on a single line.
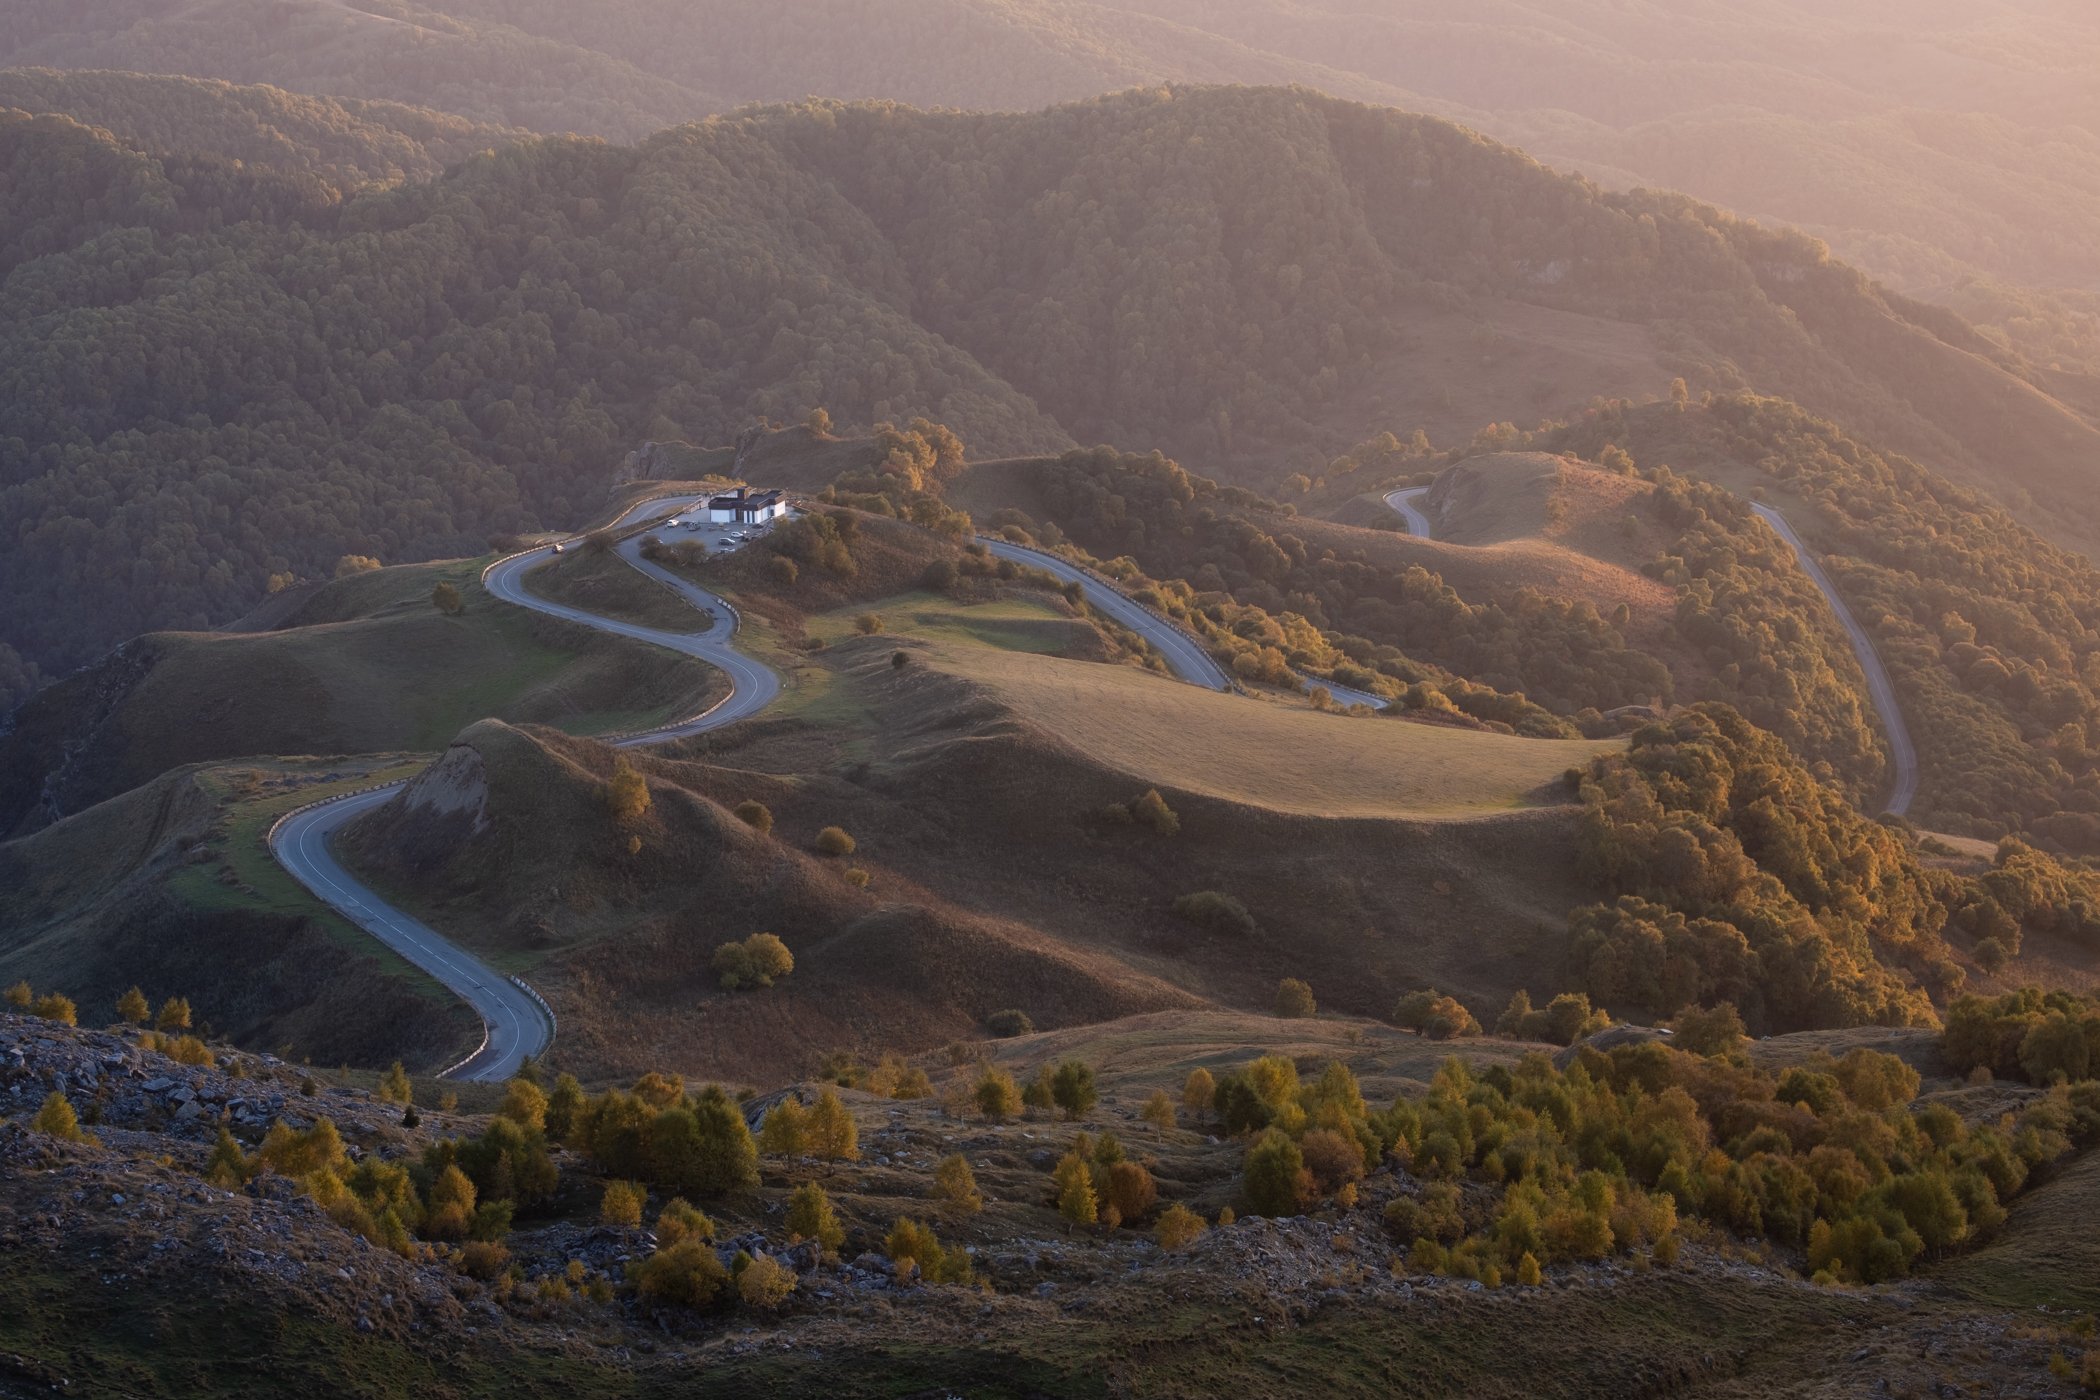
[(1284, 759)]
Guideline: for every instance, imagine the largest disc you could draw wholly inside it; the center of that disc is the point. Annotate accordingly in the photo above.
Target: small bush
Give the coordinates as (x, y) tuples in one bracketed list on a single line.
[(911, 1244), (833, 841), (483, 1259), (56, 1006), (188, 1050), (1274, 1177), (782, 570), (445, 598), (1129, 1188), (394, 1086), (1150, 810), (1294, 1000), (756, 815), (57, 1119), (868, 624), (939, 577), (956, 1185), (1178, 1227), (858, 878), (1216, 912), (19, 996), (687, 1275), (754, 962), (627, 793), (1007, 1024), (765, 1284)]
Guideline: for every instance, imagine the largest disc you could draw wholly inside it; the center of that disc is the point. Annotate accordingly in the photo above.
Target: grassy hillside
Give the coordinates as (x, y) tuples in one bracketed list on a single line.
[(169, 887), (364, 664), (1239, 310)]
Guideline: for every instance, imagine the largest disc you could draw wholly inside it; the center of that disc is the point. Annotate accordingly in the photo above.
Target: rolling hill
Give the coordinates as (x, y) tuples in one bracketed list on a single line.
[(475, 352)]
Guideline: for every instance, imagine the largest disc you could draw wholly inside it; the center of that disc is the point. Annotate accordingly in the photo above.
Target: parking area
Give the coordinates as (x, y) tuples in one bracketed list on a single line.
[(719, 539)]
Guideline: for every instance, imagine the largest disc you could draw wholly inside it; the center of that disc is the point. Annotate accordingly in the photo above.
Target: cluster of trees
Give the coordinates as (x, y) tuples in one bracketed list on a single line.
[(696, 1144), (1827, 1157), (1734, 875), (2042, 1037), (1991, 634), (461, 1190)]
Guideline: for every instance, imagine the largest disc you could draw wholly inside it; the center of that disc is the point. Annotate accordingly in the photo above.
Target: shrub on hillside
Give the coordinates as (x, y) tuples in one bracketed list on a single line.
[(621, 1205), (754, 962), (685, 1275), (833, 1135), (1274, 1180), (834, 841), (955, 1185), (445, 598), (939, 576), (810, 1217), (1072, 1088), (1148, 809), (56, 1006), (1178, 1227), (910, 1245), (1568, 1018), (868, 624), (1294, 999), (764, 1283), (1007, 1024), (174, 1015), (1436, 1016), (626, 793), (1129, 1188), (996, 1095), (57, 1119), (394, 1086), (132, 1008), (1216, 912), (351, 565), (756, 815), (1716, 1032)]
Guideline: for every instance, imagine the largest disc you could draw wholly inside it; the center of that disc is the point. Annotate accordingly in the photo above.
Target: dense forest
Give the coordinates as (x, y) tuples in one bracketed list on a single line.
[(1784, 113), (1991, 633), (216, 373)]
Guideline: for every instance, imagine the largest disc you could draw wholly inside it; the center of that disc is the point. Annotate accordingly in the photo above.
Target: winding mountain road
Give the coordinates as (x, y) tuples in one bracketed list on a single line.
[(1184, 655), (1404, 502), (1903, 754), (516, 1023)]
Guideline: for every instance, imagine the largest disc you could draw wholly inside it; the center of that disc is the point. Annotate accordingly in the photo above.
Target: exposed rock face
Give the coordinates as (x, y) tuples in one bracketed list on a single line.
[(456, 786), (442, 807), (645, 463)]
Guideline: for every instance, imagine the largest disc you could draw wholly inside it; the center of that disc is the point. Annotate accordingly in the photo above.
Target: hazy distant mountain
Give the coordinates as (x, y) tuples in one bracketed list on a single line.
[(1927, 143)]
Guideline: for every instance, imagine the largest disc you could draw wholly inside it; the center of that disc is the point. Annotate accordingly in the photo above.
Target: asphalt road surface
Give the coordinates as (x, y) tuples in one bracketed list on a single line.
[(1404, 502), (515, 1022), (1902, 752), (1185, 657)]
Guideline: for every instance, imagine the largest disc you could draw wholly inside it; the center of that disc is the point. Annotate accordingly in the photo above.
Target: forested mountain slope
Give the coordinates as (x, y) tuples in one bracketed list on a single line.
[(210, 374), (348, 142), (1930, 146)]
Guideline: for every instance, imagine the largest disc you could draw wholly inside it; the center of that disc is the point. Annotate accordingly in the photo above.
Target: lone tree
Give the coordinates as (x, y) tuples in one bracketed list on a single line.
[(956, 1185), (627, 793), (394, 1086), (1072, 1088), (1294, 999), (1197, 1092), (445, 598), (810, 1217), (57, 1119), (832, 1133), (133, 1009)]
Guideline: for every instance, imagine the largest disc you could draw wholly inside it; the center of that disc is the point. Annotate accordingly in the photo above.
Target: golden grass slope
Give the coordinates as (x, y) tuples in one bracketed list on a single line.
[(1287, 760)]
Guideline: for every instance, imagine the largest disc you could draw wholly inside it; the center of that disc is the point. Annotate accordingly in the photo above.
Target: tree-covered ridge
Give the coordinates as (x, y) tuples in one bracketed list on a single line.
[(1559, 653), (209, 376), (1991, 633), (349, 143)]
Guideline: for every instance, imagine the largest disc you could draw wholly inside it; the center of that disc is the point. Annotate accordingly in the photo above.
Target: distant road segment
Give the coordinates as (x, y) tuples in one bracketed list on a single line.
[(1404, 502), (1184, 655), (1903, 753)]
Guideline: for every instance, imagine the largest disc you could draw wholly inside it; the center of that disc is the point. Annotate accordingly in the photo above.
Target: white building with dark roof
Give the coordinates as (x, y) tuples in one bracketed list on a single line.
[(743, 506)]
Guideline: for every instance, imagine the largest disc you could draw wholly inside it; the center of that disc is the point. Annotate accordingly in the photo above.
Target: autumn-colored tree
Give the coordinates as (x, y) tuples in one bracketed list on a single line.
[(1273, 1177), (996, 1095), (754, 962), (1076, 1200), (785, 1131), (627, 793), (449, 1210), (764, 1283), (524, 1104), (133, 1009), (810, 1217), (394, 1086), (19, 996), (1197, 1092), (1294, 999), (680, 1220), (563, 1105), (1178, 1227), (1129, 1188), (956, 1185), (833, 1136), (1159, 1110), (56, 1006), (445, 598), (227, 1168), (174, 1015), (1072, 1089), (57, 1119), (621, 1205)]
